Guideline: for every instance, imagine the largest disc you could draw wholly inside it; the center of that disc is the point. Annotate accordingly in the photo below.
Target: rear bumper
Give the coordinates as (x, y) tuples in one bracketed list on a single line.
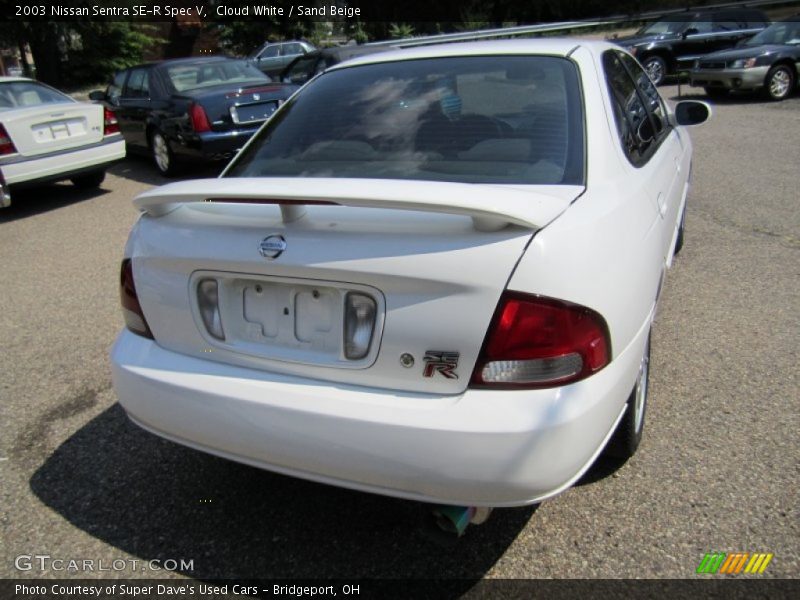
[(214, 145), (730, 79), (19, 170), (482, 448)]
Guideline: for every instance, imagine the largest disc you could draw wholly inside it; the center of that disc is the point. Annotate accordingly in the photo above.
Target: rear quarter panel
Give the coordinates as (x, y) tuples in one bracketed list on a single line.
[(606, 250)]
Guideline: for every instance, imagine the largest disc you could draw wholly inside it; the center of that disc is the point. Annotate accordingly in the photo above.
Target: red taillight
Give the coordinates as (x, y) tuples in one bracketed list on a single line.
[(6, 145), (199, 118), (541, 342), (131, 309), (110, 122)]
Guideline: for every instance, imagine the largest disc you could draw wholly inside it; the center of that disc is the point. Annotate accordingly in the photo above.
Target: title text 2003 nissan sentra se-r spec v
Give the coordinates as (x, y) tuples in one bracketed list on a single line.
[(431, 275)]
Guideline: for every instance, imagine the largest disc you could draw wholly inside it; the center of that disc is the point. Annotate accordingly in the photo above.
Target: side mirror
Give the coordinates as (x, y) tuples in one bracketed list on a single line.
[(97, 96), (690, 31), (692, 112), (644, 132)]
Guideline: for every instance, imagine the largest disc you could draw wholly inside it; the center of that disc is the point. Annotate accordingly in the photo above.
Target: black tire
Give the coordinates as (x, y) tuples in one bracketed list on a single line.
[(681, 227), (89, 180), (626, 439), (163, 156), (715, 92), (779, 82), (656, 68)]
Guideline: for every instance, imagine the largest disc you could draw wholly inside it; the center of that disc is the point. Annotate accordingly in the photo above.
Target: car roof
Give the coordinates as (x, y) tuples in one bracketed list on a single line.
[(8, 78), (548, 47)]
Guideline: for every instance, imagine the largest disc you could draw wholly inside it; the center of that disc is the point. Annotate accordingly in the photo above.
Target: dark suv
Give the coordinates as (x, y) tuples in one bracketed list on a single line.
[(675, 41)]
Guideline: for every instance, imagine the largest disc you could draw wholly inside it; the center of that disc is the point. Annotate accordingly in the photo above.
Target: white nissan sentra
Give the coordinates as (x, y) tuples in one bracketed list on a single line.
[(432, 274)]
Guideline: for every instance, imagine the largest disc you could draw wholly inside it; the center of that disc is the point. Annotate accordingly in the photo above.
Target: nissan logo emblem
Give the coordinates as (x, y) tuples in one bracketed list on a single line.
[(272, 247)]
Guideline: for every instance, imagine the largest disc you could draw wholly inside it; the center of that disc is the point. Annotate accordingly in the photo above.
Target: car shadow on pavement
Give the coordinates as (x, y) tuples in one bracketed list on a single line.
[(141, 169), (34, 201), (157, 500)]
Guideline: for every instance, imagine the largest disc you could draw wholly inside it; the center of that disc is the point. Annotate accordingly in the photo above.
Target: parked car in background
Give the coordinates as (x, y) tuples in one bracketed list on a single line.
[(272, 58), (192, 108), (303, 68), (47, 136), (675, 41), (769, 61), (431, 275)]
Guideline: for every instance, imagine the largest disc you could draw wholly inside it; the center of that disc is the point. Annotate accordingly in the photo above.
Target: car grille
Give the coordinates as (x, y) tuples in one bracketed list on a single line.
[(712, 65)]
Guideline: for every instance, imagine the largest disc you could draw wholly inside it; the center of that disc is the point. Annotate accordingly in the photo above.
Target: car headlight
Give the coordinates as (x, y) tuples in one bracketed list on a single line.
[(743, 63)]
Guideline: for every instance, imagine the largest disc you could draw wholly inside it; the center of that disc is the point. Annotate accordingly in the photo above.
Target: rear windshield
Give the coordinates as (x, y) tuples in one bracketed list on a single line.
[(24, 94), (193, 76), (497, 119)]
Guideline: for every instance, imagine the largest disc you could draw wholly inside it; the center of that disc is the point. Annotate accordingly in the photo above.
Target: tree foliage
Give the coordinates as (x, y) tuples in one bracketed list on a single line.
[(68, 54)]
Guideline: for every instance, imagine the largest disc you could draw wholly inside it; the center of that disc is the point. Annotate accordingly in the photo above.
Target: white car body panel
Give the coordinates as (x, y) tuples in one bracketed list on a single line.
[(53, 166), (478, 448), (382, 427)]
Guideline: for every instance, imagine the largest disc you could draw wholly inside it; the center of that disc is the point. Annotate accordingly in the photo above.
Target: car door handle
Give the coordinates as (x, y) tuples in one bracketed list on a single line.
[(678, 163), (662, 205)]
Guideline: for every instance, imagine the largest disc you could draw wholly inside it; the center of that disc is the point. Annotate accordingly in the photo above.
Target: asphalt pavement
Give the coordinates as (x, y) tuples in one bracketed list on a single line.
[(718, 468)]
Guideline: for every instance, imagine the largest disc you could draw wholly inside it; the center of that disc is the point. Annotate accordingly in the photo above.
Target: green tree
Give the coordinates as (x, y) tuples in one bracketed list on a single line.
[(399, 31), (73, 53)]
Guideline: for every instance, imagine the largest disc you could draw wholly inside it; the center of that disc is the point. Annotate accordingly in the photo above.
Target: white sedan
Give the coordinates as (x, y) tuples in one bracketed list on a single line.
[(47, 136), (431, 275)]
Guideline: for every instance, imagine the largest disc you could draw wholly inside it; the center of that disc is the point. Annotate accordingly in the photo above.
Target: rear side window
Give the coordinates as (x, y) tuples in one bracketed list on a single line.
[(291, 49), (639, 111), (270, 52), (138, 84), (498, 119)]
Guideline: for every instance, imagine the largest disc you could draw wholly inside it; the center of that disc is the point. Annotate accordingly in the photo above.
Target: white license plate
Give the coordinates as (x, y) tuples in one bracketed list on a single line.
[(253, 113), (59, 130)]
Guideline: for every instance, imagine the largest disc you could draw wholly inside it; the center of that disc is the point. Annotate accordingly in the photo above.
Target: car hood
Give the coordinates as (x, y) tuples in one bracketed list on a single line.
[(747, 52)]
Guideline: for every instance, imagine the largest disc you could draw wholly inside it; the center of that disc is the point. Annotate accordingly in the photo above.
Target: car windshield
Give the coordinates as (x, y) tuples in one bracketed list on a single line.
[(785, 32), (479, 119), (206, 74), (25, 94)]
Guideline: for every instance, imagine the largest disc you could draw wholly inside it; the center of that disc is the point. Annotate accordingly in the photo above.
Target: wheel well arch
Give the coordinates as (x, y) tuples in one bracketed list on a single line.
[(786, 61), (150, 129), (661, 53)]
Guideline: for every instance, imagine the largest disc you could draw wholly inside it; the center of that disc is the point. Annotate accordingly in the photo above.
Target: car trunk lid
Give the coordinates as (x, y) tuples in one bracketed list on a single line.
[(245, 106), (53, 127), (433, 256)]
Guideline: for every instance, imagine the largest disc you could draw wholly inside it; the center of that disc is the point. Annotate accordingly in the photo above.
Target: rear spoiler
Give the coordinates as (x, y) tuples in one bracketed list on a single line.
[(491, 207)]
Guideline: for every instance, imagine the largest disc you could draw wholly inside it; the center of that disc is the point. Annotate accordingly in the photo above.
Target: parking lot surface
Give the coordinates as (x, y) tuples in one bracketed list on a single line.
[(717, 470)]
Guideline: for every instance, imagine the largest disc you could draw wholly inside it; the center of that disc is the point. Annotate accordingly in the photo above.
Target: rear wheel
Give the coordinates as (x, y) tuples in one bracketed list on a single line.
[(656, 69), (89, 180), (779, 82), (163, 157), (628, 436)]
